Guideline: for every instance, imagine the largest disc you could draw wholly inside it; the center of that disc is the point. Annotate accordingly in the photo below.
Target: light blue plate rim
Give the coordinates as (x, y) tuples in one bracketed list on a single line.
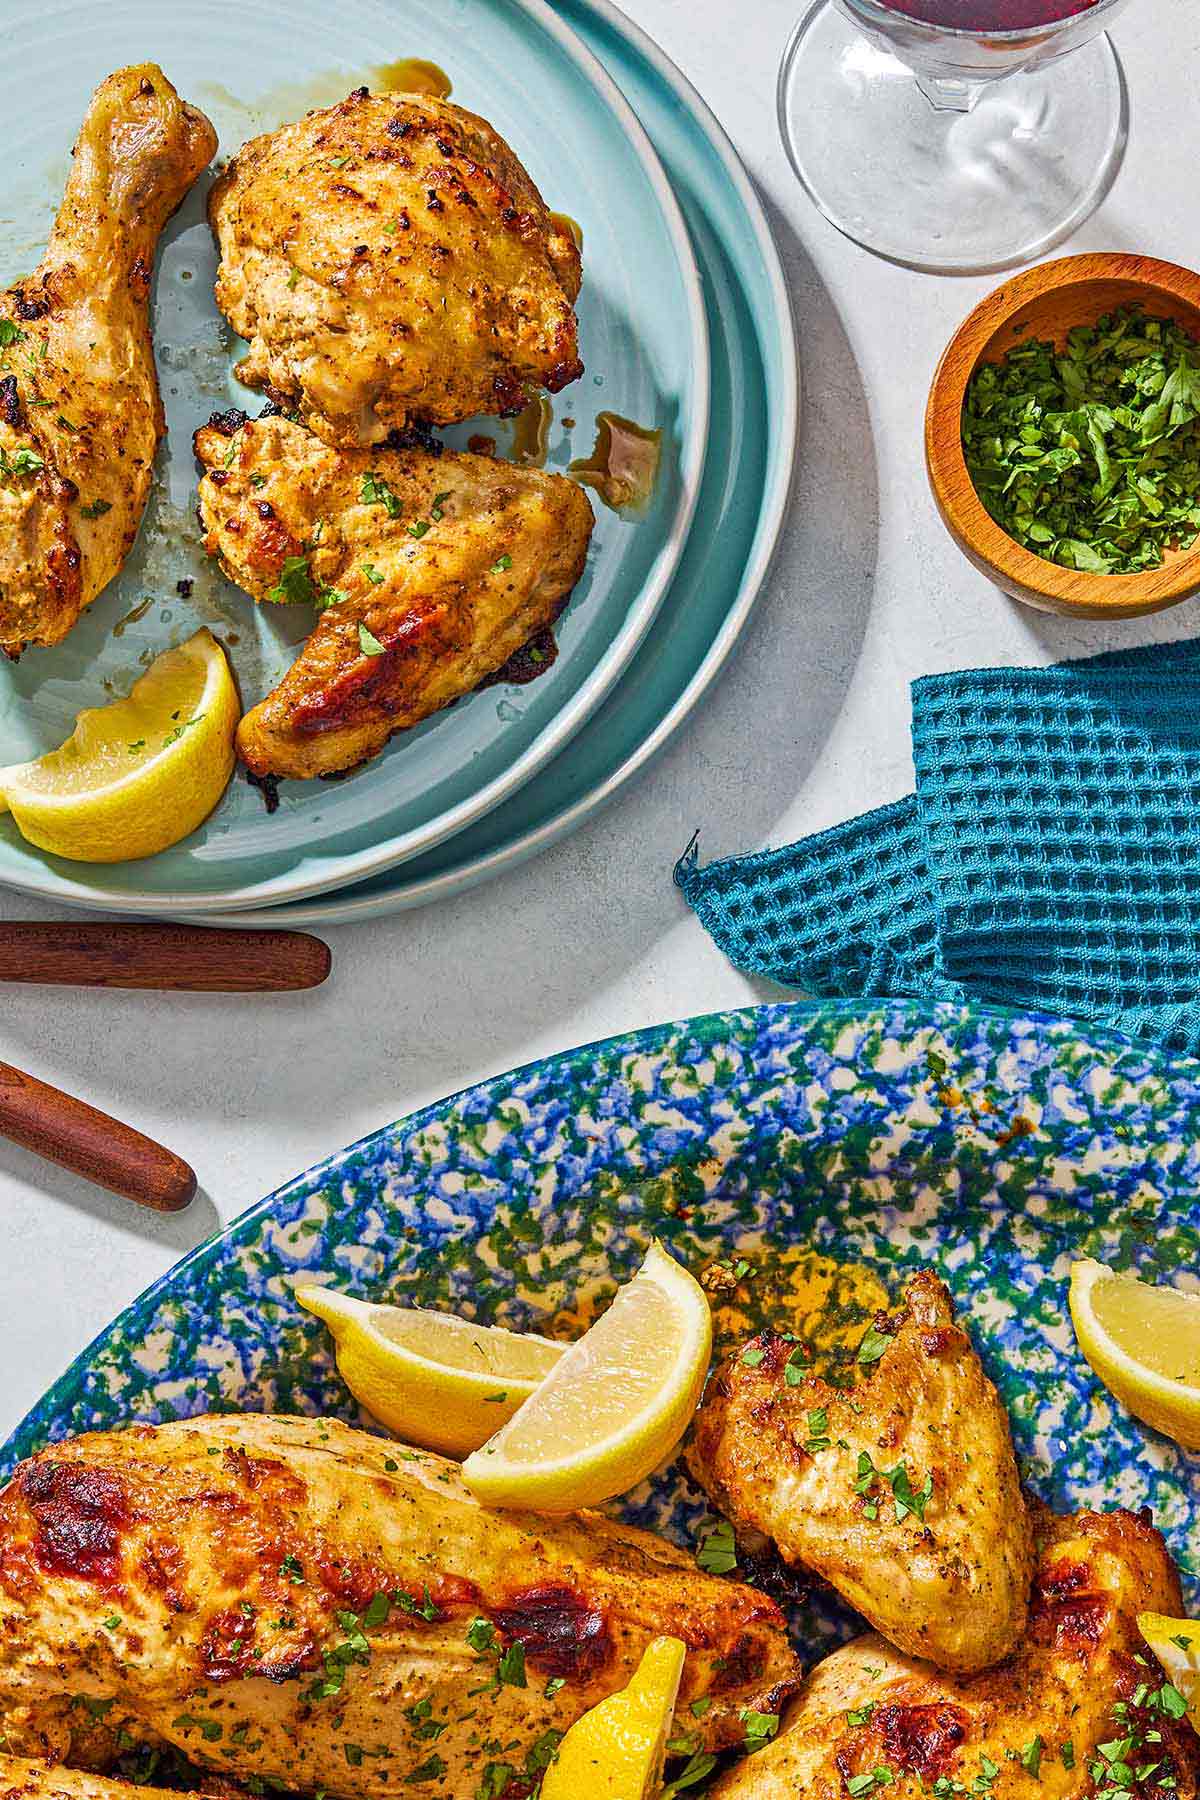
[(771, 302), (361, 865)]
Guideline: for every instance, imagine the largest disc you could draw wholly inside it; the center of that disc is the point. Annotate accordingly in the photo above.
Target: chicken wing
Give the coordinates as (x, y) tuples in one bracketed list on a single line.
[(293, 1600), (1080, 1708), (80, 414), (431, 571), (390, 259), (902, 1493)]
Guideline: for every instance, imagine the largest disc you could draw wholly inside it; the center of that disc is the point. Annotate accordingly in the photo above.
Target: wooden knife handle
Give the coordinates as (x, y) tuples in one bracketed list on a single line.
[(71, 1133), (185, 958)]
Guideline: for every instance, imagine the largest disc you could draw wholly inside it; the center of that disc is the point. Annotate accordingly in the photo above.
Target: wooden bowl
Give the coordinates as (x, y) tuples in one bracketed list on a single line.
[(1045, 303)]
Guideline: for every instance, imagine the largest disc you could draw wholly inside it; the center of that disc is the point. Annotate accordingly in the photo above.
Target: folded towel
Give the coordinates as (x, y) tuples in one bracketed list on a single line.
[(1049, 858)]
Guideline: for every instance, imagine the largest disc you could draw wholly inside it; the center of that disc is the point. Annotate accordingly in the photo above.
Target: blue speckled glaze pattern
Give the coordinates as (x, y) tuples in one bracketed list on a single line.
[(994, 1146)]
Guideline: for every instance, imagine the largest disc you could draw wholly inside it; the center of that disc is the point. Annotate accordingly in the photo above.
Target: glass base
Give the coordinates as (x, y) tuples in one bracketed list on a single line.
[(953, 191)]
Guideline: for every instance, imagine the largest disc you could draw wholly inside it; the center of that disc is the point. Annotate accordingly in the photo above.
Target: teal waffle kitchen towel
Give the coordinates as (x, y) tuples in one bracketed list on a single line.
[(1049, 858)]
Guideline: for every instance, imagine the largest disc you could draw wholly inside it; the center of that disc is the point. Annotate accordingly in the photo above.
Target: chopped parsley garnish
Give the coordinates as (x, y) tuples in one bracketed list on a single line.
[(760, 1727), (418, 528), (698, 1767), (818, 1431), (295, 583), (376, 492), (25, 462), (368, 643), (1066, 1754), (290, 1566), (795, 1369), (511, 1667), (717, 1552), (97, 509), (418, 1609), (861, 1714), (210, 1729), (137, 744), (868, 1783), (439, 501), (372, 574), (1031, 1756), (377, 1611), (429, 1770), (481, 1636), (905, 1498), (753, 1356), (1090, 456), (552, 1687), (501, 564), (873, 1346), (1185, 1643), (496, 1399), (10, 334), (112, 1623), (173, 737)]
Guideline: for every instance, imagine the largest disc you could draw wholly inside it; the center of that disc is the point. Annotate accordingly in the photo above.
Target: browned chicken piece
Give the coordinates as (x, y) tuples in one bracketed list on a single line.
[(80, 414), (292, 1601), (23, 1779), (431, 571), (389, 259), (903, 1493), (1081, 1708)]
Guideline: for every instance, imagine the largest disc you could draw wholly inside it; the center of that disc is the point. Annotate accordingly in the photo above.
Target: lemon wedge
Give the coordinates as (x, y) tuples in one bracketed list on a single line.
[(614, 1406), (1176, 1644), (1144, 1344), (433, 1379), (139, 774), (617, 1750)]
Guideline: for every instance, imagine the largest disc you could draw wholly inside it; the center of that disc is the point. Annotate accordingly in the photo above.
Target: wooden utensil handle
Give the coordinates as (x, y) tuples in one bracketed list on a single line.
[(78, 1137), (185, 958)]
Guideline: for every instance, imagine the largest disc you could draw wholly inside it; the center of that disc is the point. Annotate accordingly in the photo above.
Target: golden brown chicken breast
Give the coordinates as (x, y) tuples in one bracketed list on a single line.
[(21, 1778), (389, 259), (1080, 1709), (902, 1492), (80, 414), (290, 1600), (430, 572)]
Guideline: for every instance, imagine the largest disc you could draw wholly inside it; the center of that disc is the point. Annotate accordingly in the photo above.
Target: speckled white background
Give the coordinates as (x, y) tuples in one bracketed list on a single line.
[(809, 724)]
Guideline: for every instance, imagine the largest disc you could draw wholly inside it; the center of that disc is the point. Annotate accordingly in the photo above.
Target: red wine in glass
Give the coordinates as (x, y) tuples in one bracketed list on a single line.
[(989, 15)]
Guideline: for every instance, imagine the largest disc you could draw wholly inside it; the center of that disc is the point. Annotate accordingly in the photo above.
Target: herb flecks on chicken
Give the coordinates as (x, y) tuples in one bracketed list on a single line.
[(389, 259), (293, 1601), (1081, 1708), (80, 413), (901, 1491), (429, 572)]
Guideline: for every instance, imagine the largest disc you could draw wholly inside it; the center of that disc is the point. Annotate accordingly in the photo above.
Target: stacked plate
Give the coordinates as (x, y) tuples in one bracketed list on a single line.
[(684, 325)]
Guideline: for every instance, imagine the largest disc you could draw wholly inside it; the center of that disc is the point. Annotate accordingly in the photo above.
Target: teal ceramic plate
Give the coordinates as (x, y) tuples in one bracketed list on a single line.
[(747, 479), (643, 331), (865, 1138)]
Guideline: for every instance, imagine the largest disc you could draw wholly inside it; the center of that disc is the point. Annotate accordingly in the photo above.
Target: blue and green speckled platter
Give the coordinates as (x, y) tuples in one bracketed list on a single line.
[(835, 1146)]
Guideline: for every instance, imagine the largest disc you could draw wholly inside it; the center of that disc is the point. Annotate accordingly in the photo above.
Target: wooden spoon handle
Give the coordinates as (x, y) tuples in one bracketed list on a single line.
[(180, 957), (71, 1133)]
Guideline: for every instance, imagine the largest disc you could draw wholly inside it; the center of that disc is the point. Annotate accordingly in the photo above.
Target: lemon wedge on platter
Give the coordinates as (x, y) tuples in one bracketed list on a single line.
[(617, 1750), (433, 1379), (1176, 1644), (137, 775), (614, 1406), (1144, 1344)]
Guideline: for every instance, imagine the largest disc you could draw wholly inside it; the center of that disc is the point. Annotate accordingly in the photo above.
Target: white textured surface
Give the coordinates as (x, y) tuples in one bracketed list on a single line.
[(810, 724)]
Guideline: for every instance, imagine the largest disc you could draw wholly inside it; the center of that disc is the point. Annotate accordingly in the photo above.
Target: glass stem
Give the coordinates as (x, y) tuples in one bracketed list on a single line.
[(950, 96)]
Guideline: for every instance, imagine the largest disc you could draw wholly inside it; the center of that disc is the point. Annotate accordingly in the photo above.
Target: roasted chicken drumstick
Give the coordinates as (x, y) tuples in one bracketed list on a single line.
[(389, 259), (430, 572), (80, 414)]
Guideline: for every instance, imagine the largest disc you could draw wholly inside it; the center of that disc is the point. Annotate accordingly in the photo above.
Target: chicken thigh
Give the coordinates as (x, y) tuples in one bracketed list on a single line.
[(429, 571), (902, 1493), (293, 1601), (389, 259), (1081, 1708), (80, 414)]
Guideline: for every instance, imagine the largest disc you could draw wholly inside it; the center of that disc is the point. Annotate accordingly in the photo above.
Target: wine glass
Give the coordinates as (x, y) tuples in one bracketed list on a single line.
[(955, 135)]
